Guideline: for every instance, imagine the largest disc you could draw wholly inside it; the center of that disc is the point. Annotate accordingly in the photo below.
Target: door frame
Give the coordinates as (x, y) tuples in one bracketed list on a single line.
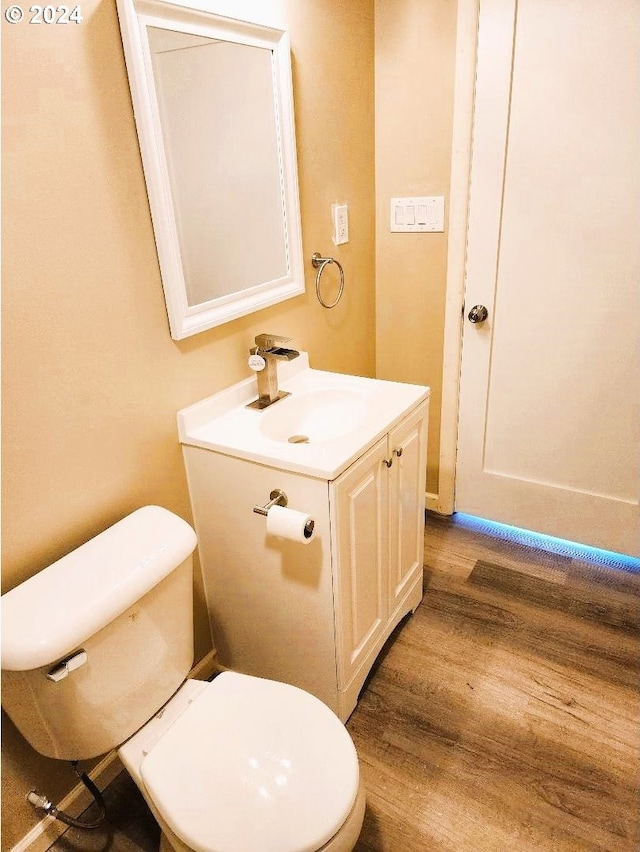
[(461, 149)]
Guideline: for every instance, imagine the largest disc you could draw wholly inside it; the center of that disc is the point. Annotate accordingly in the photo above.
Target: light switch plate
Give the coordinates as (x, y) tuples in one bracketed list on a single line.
[(417, 214), (340, 214)]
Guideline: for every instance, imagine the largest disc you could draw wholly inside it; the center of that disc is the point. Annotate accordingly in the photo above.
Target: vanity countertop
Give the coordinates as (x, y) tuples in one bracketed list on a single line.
[(327, 422)]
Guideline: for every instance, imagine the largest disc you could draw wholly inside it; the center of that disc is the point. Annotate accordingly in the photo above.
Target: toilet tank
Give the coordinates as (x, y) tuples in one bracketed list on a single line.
[(96, 643)]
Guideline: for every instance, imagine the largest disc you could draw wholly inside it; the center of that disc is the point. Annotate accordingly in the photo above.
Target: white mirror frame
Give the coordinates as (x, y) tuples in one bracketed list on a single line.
[(135, 16)]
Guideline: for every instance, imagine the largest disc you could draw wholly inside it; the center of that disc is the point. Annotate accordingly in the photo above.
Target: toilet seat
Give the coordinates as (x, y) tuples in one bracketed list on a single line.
[(253, 764)]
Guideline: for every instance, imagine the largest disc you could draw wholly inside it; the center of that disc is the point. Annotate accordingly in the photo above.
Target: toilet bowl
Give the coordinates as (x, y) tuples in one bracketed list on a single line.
[(96, 649), (242, 763)]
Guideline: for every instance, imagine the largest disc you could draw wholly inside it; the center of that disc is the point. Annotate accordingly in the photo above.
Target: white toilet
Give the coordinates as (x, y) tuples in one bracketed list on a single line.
[(95, 652)]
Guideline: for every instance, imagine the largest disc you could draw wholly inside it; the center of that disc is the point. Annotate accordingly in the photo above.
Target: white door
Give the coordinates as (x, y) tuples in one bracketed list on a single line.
[(548, 421)]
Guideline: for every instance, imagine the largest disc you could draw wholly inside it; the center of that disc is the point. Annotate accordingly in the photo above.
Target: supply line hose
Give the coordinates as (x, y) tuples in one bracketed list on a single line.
[(43, 803)]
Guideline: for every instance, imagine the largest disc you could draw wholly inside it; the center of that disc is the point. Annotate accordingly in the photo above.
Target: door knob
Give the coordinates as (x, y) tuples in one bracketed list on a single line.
[(478, 313)]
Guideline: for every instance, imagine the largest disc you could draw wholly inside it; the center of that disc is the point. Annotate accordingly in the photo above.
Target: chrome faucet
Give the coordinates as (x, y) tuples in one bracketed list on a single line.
[(263, 359)]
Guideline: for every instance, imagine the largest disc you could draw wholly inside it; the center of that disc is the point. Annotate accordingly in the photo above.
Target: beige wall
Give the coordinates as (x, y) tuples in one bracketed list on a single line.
[(92, 379), (414, 66)]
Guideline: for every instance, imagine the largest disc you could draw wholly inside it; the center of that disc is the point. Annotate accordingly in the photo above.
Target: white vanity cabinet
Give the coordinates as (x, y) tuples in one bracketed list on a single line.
[(377, 519), (313, 614)]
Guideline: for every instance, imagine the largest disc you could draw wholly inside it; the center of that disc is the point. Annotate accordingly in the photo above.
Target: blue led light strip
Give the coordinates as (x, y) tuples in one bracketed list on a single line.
[(548, 542)]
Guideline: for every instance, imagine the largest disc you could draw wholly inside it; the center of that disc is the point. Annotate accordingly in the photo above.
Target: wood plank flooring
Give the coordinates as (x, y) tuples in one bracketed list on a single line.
[(503, 715)]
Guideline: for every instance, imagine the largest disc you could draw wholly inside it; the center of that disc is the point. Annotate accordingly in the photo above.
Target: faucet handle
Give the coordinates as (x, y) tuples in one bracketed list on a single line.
[(270, 341)]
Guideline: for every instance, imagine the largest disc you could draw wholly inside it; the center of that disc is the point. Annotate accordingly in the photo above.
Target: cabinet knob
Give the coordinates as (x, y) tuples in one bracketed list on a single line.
[(398, 451), (388, 462)]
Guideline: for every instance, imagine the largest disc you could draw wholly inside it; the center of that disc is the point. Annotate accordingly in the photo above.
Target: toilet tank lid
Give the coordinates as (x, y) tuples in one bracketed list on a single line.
[(58, 609)]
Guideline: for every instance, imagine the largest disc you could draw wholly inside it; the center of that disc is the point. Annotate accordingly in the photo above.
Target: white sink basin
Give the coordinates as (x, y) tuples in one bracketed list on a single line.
[(315, 416), (327, 422)]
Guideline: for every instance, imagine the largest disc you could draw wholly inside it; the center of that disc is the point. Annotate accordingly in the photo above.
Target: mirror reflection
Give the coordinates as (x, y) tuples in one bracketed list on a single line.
[(216, 107)]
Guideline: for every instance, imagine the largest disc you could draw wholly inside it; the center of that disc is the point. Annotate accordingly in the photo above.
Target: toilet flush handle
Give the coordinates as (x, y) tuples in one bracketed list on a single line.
[(65, 667)]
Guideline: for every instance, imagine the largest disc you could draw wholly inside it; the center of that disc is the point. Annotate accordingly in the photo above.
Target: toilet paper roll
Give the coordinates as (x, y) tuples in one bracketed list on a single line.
[(287, 523)]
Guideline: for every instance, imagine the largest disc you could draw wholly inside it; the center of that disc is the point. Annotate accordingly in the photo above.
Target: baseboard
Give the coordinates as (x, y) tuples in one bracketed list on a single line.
[(433, 504), (49, 829), (205, 668)]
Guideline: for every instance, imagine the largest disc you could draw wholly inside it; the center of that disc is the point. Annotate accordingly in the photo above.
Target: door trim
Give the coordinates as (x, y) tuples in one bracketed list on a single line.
[(461, 148)]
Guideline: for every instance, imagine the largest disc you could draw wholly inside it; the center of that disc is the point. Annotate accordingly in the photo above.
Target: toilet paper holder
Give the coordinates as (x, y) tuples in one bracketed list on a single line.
[(276, 498)]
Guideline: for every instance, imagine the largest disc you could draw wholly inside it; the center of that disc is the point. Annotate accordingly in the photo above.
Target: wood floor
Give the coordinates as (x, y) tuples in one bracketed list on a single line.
[(503, 715)]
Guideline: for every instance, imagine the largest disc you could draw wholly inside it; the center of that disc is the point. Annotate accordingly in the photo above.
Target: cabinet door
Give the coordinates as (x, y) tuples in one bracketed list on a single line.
[(407, 478), (359, 519)]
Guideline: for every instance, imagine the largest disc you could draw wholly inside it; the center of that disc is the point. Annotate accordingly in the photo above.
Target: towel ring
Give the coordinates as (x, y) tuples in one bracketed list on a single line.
[(319, 263)]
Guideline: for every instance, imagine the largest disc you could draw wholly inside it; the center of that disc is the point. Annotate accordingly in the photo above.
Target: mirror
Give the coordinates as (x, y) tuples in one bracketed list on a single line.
[(212, 99)]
